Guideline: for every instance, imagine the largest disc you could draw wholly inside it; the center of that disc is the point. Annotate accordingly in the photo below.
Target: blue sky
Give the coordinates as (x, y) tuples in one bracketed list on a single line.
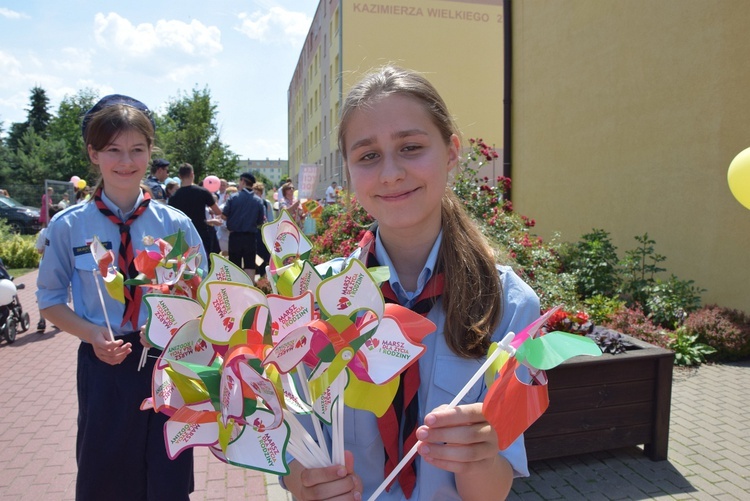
[(245, 52)]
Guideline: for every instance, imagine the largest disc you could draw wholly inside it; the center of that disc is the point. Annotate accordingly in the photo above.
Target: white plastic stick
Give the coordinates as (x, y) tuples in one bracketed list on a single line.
[(302, 374), (504, 345), (337, 446), (300, 433), (101, 300), (144, 357)]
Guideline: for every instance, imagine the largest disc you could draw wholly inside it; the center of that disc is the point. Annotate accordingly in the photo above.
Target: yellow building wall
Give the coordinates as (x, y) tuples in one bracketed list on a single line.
[(457, 44), (626, 116)]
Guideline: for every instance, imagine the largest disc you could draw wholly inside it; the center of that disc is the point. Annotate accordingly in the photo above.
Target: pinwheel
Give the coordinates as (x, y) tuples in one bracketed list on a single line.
[(210, 380), (168, 265), (511, 406), (105, 262), (215, 402), (358, 333)]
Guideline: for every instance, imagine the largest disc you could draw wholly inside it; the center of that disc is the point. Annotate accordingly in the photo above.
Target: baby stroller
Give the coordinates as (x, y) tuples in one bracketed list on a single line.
[(12, 317)]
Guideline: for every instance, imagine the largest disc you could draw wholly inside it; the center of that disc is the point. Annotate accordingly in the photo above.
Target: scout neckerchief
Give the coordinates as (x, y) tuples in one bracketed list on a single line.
[(401, 417), (126, 257)]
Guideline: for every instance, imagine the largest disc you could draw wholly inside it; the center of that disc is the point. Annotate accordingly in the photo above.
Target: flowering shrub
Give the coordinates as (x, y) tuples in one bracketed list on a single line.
[(574, 323), (537, 262), (725, 329), (341, 230), (634, 322)]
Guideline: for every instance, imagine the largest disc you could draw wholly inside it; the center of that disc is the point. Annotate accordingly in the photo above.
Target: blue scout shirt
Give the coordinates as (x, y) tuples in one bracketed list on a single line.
[(67, 259), (443, 374)]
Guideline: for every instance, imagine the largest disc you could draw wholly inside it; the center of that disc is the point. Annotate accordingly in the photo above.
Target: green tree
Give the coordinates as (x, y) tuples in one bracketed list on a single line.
[(37, 118), (66, 127), (38, 113), (4, 159), (38, 158), (188, 132)]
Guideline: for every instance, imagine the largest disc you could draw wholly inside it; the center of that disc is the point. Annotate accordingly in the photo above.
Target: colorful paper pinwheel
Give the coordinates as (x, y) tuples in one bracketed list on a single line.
[(512, 405), (168, 265), (105, 262)]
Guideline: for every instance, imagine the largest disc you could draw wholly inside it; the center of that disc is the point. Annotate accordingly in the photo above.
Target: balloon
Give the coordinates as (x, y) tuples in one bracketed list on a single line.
[(212, 183), (75, 180), (81, 183), (738, 177), (7, 291), (296, 194)]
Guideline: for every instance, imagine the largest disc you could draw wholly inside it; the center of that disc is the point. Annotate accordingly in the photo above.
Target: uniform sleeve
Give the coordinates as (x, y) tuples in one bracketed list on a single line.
[(56, 266)]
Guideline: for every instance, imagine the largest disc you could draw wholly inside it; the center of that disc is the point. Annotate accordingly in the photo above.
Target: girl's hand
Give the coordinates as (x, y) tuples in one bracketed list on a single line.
[(144, 339), (459, 440), (109, 352), (331, 482)]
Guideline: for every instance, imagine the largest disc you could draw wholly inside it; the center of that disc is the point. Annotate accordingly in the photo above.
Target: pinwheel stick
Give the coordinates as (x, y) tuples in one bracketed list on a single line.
[(101, 300), (144, 357), (302, 374), (503, 346), (303, 447)]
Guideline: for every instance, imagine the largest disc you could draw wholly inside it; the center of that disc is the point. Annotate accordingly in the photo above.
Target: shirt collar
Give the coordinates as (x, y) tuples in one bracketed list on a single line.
[(116, 210), (405, 298)]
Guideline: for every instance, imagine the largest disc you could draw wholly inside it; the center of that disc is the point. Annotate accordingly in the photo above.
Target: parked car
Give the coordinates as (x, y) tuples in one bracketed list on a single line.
[(21, 218)]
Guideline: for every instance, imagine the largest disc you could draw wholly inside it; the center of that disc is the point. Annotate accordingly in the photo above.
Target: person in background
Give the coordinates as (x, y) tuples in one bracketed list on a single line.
[(41, 242), (171, 188), (222, 193), (331, 195), (46, 210), (244, 216), (64, 203), (291, 204), (193, 201), (279, 194), (222, 233), (260, 191), (120, 450), (399, 145), (155, 181)]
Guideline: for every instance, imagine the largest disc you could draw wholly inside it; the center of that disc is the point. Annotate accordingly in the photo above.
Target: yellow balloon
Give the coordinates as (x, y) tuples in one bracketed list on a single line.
[(81, 184), (738, 177)]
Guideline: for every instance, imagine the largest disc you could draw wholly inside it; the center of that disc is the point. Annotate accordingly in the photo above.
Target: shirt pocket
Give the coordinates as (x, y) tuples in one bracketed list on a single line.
[(361, 427), (451, 374), (85, 267)]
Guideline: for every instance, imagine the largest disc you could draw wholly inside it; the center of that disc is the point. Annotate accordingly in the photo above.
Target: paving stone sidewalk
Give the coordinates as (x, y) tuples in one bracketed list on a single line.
[(709, 446)]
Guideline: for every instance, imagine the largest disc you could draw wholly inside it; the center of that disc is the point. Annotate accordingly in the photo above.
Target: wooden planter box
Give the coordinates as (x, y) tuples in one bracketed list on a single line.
[(607, 402)]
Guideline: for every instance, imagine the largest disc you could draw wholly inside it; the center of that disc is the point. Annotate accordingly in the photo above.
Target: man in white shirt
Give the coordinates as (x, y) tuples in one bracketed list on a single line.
[(331, 194)]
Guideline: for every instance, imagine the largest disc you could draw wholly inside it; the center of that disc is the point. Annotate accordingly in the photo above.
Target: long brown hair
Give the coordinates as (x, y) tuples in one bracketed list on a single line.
[(472, 296)]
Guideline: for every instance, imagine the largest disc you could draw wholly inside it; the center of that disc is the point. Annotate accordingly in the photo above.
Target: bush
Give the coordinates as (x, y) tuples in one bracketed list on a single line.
[(687, 350), (668, 302), (601, 308), (594, 263), (19, 251), (633, 322), (340, 231), (725, 329)]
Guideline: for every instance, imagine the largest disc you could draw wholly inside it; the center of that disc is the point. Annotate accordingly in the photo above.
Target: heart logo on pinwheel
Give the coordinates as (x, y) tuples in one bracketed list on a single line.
[(228, 323), (344, 303)]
